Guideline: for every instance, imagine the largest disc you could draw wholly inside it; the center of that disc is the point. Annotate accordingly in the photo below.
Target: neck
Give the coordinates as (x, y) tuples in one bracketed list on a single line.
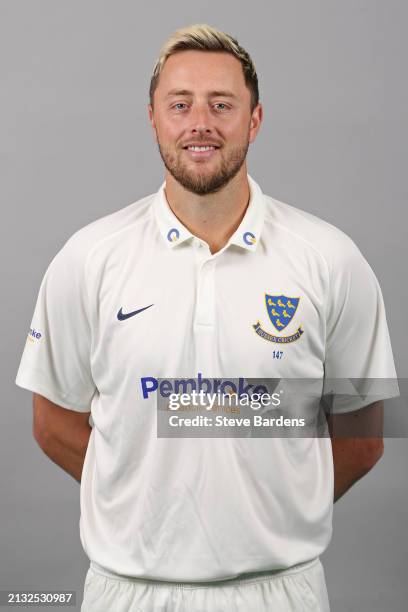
[(213, 217)]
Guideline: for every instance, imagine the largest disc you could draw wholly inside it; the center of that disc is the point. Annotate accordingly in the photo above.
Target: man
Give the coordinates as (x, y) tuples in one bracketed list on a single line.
[(181, 284)]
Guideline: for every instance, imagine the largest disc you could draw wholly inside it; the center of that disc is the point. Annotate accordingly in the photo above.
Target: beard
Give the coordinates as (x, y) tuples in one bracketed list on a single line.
[(203, 183)]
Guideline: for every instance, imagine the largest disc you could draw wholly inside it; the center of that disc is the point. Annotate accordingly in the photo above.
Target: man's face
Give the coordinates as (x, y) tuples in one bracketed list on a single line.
[(202, 101)]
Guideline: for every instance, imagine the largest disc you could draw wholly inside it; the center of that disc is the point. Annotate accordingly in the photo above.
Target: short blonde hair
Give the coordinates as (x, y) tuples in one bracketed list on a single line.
[(202, 37)]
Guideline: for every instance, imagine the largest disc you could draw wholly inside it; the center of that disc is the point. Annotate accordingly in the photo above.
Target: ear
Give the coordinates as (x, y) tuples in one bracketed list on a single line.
[(151, 119), (256, 120)]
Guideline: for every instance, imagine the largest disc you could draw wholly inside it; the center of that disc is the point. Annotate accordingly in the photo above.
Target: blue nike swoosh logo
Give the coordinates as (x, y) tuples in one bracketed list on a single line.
[(126, 315)]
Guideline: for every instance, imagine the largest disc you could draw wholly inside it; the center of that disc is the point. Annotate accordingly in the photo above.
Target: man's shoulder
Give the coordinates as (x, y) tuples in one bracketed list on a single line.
[(306, 230), (111, 227)]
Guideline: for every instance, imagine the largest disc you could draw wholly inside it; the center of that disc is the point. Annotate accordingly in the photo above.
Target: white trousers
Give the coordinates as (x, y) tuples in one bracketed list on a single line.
[(301, 588)]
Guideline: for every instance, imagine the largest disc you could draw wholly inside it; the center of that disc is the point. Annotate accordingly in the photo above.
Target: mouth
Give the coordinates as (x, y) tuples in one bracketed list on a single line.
[(201, 151)]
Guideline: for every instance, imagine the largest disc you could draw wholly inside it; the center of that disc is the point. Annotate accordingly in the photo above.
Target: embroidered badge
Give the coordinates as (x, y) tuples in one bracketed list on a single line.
[(281, 310)]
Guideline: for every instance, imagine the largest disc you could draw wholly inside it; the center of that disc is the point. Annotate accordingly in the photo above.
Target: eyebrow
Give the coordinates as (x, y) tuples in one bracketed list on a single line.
[(212, 94)]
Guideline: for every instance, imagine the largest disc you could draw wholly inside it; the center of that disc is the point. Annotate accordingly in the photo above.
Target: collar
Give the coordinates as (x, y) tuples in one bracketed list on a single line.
[(246, 236)]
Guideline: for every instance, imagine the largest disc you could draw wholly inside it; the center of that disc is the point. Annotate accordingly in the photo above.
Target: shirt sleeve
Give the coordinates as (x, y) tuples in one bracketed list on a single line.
[(359, 365), (56, 358)]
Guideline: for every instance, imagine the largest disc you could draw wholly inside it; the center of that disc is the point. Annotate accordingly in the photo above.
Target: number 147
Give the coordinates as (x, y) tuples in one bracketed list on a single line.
[(277, 354)]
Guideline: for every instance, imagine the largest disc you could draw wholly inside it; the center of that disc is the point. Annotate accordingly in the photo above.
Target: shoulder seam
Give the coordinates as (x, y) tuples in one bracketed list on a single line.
[(114, 233), (300, 237), (316, 250)]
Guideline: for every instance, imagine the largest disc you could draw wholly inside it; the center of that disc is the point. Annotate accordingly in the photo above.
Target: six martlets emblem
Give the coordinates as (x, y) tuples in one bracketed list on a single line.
[(281, 310)]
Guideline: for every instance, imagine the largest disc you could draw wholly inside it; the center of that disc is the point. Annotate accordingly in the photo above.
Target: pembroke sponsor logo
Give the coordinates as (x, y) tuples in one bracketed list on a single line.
[(165, 387)]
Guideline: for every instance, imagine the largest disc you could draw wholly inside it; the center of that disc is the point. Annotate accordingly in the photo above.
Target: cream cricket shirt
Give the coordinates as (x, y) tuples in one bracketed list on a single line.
[(135, 295)]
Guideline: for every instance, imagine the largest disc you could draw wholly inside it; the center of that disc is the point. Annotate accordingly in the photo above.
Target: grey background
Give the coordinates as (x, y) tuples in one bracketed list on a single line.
[(75, 144)]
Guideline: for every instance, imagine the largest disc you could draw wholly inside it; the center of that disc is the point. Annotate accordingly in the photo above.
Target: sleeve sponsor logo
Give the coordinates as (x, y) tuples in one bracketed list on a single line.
[(34, 335)]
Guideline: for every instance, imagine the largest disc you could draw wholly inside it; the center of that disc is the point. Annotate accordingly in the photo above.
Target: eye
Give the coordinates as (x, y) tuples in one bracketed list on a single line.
[(221, 104), (178, 105)]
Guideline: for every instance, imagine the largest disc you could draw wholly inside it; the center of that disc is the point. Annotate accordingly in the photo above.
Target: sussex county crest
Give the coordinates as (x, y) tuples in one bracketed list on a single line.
[(280, 310)]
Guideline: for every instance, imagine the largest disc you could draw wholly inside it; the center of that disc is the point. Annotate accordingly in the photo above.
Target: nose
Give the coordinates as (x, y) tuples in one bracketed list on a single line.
[(200, 120)]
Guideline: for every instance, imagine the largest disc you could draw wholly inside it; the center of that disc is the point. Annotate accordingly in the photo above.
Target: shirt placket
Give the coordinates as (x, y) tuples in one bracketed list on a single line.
[(205, 315)]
